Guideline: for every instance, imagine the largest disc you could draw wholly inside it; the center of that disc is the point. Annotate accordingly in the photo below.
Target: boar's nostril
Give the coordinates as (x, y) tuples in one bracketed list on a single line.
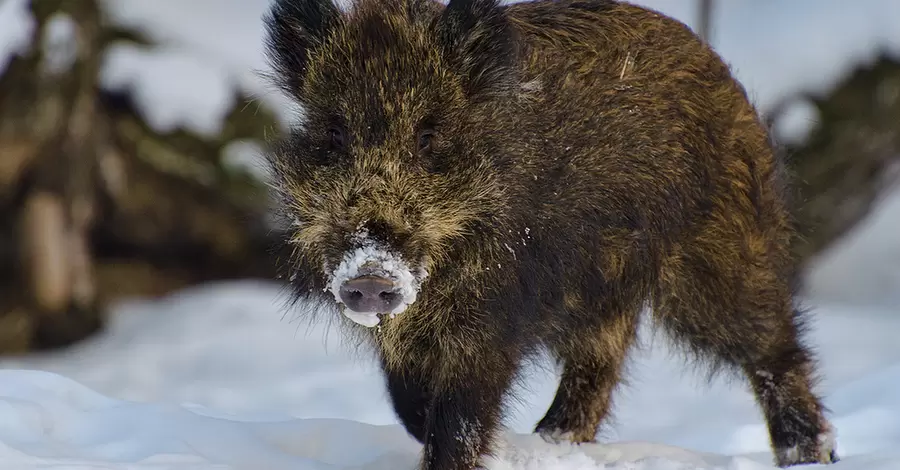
[(354, 295), (370, 294), (390, 299)]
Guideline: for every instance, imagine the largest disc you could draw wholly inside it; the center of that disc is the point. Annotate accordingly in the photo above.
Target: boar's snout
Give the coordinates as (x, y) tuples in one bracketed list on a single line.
[(370, 293)]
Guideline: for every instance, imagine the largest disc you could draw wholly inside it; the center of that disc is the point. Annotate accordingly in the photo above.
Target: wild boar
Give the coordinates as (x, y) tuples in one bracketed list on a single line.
[(473, 183)]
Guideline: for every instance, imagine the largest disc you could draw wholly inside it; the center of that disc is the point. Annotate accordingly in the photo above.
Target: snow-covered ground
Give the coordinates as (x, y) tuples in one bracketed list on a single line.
[(221, 376), (217, 375)]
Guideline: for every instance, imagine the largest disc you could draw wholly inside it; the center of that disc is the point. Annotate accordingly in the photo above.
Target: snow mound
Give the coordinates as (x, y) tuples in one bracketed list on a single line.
[(216, 375), (50, 421), (210, 378)]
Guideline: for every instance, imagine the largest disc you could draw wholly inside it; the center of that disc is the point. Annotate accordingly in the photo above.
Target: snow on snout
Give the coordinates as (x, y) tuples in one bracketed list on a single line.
[(372, 258)]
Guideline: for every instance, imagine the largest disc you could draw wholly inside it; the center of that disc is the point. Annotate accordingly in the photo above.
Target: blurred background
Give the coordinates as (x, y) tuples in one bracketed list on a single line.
[(135, 223)]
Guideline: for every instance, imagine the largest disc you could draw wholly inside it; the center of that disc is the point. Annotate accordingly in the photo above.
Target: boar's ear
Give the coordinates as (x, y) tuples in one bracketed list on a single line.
[(293, 28), (479, 41)]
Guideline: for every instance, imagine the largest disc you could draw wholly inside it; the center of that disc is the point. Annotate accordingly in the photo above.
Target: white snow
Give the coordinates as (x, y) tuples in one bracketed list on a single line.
[(215, 376), (171, 86), (208, 50), (60, 44), (221, 377), (16, 28)]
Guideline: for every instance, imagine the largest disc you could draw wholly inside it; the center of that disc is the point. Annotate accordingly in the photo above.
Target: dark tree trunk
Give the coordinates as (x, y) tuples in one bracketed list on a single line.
[(704, 19), (95, 205)]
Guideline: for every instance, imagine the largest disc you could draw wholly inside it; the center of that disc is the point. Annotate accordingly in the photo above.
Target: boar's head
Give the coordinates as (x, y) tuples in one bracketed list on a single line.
[(397, 161)]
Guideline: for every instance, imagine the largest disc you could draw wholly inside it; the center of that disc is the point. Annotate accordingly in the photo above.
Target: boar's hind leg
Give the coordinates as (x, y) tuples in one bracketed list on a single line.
[(592, 360), (740, 315)]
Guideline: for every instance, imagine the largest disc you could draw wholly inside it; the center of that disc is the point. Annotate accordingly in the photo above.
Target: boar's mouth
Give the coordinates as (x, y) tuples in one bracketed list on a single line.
[(371, 280)]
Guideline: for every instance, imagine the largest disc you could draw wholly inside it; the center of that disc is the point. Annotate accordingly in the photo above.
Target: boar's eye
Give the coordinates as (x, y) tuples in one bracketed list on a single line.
[(426, 136), (336, 137)]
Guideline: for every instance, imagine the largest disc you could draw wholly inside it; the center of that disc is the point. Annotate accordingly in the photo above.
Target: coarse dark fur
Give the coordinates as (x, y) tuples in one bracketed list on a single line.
[(553, 165)]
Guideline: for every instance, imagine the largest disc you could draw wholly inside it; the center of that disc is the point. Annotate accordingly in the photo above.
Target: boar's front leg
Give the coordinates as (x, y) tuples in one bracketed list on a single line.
[(410, 398), (465, 413)]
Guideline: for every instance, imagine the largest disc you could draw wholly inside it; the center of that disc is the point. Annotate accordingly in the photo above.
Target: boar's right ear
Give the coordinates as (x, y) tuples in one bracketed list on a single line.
[(479, 41), (293, 28)]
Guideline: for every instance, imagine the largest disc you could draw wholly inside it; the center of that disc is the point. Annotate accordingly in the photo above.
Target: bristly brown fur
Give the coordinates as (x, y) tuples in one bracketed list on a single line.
[(587, 156)]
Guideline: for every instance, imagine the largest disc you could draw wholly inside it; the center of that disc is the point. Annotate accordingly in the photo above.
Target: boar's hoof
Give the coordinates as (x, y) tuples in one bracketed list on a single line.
[(368, 294)]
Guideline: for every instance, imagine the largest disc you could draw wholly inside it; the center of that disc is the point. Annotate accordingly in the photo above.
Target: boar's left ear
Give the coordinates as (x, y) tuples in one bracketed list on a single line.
[(479, 40), (293, 28)]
